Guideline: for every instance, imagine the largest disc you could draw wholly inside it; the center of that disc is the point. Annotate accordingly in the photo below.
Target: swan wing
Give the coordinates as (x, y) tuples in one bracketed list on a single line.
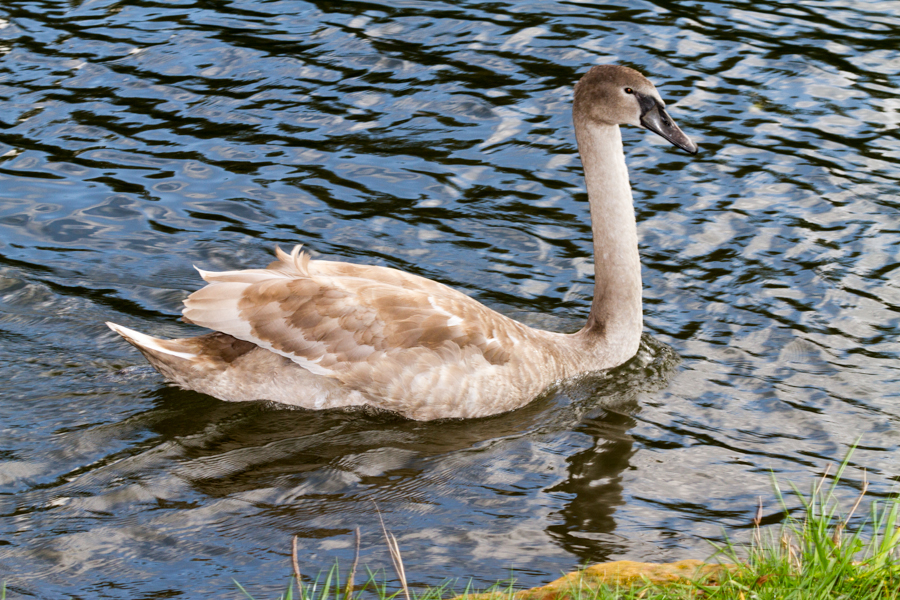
[(351, 322)]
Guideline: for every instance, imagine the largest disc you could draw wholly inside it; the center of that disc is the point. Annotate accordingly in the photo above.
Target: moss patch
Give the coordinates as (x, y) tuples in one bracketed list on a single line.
[(619, 574)]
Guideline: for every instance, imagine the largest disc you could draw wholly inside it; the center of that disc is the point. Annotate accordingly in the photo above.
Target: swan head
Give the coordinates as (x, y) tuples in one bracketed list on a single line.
[(617, 95)]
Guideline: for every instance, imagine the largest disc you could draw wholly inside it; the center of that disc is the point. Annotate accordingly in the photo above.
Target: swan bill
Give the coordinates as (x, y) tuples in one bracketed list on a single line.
[(655, 118)]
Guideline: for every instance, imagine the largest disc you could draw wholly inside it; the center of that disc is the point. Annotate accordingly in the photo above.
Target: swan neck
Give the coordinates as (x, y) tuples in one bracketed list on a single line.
[(616, 312)]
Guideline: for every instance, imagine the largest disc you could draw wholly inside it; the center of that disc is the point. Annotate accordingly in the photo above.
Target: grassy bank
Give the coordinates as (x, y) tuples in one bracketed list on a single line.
[(828, 551)]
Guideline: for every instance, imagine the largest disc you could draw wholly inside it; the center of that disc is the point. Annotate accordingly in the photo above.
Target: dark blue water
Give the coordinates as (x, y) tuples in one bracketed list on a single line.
[(140, 138)]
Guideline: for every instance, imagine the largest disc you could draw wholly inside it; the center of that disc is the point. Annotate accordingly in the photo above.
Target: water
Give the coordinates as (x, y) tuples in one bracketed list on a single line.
[(140, 138)]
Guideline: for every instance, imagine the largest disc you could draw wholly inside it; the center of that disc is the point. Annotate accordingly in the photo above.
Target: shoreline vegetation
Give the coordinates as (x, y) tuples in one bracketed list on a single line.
[(821, 554)]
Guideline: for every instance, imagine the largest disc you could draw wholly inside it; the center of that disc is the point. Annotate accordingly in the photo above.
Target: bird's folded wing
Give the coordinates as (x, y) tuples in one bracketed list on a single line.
[(337, 319)]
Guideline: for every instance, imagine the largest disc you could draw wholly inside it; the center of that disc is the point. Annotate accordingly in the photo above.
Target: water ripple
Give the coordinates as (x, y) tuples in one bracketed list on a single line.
[(140, 138)]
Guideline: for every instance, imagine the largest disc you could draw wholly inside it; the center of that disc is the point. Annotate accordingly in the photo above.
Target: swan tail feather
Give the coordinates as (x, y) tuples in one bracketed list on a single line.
[(151, 346)]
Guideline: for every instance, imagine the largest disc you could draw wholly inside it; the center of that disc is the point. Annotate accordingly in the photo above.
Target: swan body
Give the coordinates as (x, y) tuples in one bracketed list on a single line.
[(323, 334)]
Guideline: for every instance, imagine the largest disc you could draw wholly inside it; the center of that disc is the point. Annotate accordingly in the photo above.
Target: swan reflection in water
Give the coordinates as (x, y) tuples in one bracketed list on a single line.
[(323, 472)]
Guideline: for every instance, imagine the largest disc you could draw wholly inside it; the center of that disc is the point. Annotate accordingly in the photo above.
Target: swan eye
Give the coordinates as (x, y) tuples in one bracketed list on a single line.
[(629, 91)]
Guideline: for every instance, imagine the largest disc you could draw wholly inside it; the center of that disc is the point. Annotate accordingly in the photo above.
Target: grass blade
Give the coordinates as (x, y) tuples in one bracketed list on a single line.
[(396, 558), (296, 565), (348, 590)]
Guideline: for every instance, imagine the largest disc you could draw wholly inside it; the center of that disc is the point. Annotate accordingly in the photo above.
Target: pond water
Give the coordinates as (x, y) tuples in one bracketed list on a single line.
[(141, 137)]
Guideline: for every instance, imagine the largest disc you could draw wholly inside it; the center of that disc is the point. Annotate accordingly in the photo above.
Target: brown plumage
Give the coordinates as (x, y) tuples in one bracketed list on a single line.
[(323, 334)]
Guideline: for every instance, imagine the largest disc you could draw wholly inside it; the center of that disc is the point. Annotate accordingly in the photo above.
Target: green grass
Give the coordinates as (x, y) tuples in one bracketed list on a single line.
[(823, 554)]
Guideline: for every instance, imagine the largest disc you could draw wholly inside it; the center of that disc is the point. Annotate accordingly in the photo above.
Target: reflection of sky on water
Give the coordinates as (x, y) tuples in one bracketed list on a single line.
[(138, 139)]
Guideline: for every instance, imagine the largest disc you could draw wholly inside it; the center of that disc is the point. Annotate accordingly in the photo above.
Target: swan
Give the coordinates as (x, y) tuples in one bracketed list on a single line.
[(322, 334)]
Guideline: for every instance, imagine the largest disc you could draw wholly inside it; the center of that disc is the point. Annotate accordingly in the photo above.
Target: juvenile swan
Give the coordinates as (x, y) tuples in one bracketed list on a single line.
[(323, 334)]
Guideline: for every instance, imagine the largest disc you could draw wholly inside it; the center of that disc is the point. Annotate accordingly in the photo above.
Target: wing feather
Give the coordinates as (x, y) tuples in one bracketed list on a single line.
[(347, 320)]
